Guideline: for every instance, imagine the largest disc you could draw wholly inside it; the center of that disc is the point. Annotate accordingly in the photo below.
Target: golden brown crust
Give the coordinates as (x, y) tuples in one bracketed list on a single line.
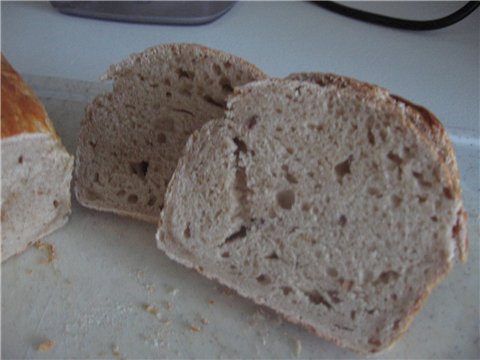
[(22, 112)]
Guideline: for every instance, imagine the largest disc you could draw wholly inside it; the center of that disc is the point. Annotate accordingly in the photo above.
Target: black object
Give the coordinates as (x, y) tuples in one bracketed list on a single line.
[(153, 12), (398, 23)]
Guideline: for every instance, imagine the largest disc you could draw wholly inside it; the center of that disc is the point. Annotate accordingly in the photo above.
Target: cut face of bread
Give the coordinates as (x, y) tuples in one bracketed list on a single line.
[(324, 205), (131, 139), (424, 121), (36, 174)]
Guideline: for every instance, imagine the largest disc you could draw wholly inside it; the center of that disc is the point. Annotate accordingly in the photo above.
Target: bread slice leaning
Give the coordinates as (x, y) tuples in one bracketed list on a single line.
[(36, 168), (131, 138), (325, 205)]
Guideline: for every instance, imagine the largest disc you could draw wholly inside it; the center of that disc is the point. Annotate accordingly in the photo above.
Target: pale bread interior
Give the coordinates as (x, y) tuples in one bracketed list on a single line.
[(329, 208), (36, 175)]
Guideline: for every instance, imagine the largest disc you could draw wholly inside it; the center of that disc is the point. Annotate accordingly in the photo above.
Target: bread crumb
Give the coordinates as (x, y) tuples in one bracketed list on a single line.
[(168, 305), (151, 309), (211, 302), (46, 346), (204, 321), (195, 328), (48, 249), (115, 350), (29, 271)]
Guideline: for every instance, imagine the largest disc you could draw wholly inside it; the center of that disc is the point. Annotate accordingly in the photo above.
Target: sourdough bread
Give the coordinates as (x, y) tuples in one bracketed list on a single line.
[(36, 168), (322, 202), (131, 138)]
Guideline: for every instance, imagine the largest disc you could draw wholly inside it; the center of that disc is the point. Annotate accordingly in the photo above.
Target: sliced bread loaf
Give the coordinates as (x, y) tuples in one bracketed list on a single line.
[(131, 138), (322, 202)]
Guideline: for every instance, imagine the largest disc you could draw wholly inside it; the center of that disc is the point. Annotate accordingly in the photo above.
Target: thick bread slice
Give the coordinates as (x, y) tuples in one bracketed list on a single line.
[(131, 138), (329, 207), (423, 119), (36, 168)]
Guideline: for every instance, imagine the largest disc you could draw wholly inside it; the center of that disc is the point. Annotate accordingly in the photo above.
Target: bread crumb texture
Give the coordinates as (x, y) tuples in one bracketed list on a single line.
[(46, 346), (321, 202)]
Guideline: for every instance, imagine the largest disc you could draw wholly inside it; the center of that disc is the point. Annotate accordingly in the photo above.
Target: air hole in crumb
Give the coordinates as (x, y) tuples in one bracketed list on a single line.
[(20, 159), (448, 193), (374, 192), (132, 199), (290, 178), (421, 181), (151, 201), (434, 218), (316, 298), (279, 129), (225, 254), (374, 341), (343, 168), (332, 272), (187, 233), (353, 314), (371, 137), (422, 198), (305, 207), (140, 169), (168, 94), (394, 297), (55, 204), (395, 158), (333, 294), (241, 146), (286, 199), (345, 284), (386, 277), (252, 121), (396, 200), (286, 290), (226, 85), (263, 279), (121, 193), (96, 177), (272, 256), (182, 73), (213, 102), (342, 220), (289, 150), (241, 233), (217, 69), (162, 138)]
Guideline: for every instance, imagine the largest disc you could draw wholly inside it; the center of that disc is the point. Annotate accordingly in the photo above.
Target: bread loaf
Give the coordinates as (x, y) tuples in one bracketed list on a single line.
[(326, 203), (36, 168), (131, 138)]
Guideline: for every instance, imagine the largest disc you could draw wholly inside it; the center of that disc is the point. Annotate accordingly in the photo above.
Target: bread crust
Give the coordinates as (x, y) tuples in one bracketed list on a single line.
[(124, 66), (22, 112)]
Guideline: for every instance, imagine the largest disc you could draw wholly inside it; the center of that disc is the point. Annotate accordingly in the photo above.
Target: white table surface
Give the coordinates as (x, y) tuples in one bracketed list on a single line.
[(90, 315)]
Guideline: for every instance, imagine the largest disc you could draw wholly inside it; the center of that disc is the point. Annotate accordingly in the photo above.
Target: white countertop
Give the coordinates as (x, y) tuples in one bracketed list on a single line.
[(89, 318)]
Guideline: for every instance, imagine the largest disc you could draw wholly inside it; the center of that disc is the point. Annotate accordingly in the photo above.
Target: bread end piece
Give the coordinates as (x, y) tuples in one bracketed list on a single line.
[(36, 168)]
